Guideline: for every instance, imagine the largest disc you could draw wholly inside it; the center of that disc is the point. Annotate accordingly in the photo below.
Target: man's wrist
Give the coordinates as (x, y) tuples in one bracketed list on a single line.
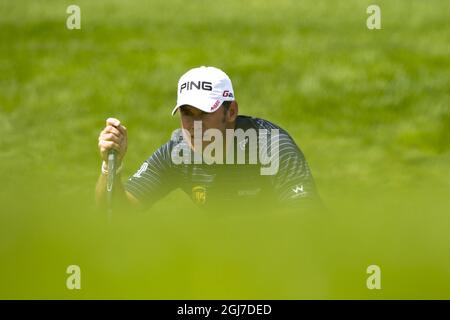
[(105, 168)]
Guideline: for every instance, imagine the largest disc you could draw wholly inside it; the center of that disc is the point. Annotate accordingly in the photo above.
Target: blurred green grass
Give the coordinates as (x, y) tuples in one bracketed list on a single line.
[(370, 109)]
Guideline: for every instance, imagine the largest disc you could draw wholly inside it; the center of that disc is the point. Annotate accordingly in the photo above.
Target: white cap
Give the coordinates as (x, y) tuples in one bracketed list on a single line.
[(204, 88)]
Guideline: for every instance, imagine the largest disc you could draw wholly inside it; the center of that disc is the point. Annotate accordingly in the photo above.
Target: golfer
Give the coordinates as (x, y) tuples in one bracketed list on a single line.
[(217, 156)]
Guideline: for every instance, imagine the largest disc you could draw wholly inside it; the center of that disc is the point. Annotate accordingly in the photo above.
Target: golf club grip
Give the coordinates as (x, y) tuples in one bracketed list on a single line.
[(111, 170)]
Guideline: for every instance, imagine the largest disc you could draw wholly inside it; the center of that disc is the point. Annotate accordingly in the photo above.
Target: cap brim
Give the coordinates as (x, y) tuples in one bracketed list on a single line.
[(204, 106), (175, 109)]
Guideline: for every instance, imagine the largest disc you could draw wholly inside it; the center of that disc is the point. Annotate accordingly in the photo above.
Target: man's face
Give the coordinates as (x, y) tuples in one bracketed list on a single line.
[(214, 120)]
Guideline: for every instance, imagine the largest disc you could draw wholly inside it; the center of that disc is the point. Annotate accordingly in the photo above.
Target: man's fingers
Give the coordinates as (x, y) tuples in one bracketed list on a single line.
[(111, 129), (122, 129), (111, 137), (108, 145), (106, 134), (112, 122), (116, 124)]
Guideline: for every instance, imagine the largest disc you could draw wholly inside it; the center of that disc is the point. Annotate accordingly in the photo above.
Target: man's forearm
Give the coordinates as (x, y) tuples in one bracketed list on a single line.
[(100, 190)]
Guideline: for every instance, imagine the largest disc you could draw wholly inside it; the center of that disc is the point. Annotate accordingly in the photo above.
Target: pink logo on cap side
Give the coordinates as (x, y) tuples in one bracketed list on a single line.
[(215, 105)]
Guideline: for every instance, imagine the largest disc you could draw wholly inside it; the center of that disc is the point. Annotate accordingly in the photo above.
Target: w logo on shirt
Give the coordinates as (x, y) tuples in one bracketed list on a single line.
[(298, 191)]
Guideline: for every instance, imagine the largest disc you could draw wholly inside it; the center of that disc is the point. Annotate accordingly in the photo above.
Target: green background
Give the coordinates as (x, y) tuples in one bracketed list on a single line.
[(369, 108)]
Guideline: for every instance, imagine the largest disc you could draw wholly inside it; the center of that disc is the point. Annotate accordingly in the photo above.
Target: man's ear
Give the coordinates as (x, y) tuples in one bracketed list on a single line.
[(232, 111)]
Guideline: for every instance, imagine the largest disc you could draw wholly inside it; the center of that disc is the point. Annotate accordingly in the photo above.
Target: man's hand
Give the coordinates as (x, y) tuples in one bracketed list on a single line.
[(113, 137)]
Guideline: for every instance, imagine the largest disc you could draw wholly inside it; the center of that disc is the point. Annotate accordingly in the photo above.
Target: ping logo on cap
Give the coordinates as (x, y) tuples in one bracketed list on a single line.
[(203, 85)]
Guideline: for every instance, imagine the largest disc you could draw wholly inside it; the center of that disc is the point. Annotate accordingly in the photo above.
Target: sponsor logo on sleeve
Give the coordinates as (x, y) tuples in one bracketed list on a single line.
[(199, 195)]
